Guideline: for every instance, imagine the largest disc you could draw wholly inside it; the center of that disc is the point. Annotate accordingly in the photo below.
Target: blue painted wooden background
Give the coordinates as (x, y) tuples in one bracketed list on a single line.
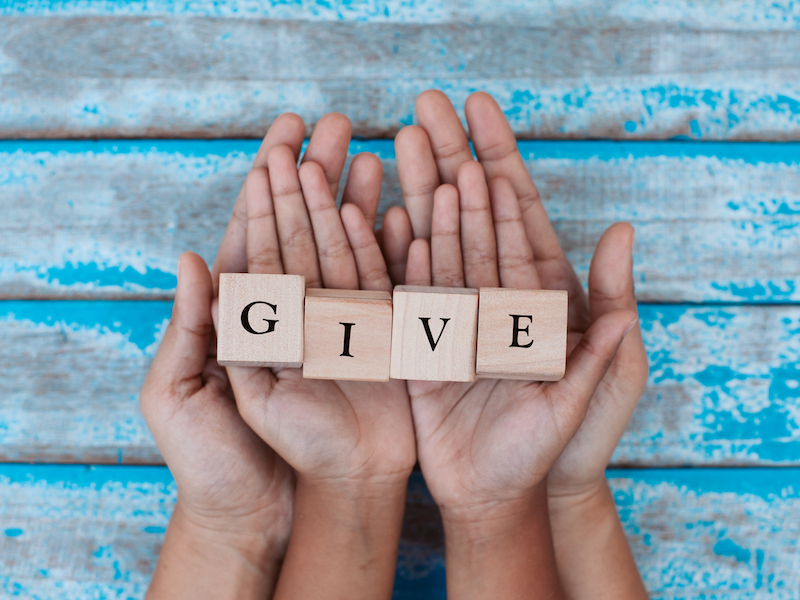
[(128, 126)]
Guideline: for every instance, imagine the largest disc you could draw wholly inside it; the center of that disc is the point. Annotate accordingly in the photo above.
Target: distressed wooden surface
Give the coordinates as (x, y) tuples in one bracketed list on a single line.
[(76, 532), (108, 219), (586, 69), (724, 387)]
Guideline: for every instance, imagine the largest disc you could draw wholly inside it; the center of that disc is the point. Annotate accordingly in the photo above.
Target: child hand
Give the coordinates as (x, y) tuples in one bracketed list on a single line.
[(350, 443), (434, 153), (492, 441), (230, 526)]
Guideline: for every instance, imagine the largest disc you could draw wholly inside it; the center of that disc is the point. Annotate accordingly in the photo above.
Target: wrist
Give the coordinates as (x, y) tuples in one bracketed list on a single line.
[(204, 559), (588, 502), (486, 519), (501, 548)]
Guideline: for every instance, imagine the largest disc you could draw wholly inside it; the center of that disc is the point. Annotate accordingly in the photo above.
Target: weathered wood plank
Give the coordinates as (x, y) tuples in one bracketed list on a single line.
[(723, 390), (180, 71), (74, 532), (715, 222), (732, 15)]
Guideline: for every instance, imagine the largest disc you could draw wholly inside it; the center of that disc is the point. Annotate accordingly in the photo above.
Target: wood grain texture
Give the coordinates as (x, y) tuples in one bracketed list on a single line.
[(522, 334), (736, 15), (723, 390), (714, 222), (589, 69), (272, 307), (434, 333), (76, 532), (348, 335)]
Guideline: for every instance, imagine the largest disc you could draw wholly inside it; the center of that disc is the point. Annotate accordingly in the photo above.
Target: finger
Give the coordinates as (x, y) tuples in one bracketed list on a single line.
[(396, 237), (611, 288), (587, 364), (496, 148), (363, 187), (263, 246), (336, 263), (418, 175), (298, 249), (288, 129), (514, 254), (328, 147), (372, 272), (448, 139), (183, 353), (446, 266), (418, 271), (478, 244)]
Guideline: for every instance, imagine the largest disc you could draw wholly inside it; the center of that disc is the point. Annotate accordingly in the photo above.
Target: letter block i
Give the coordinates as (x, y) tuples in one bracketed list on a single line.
[(348, 335), (260, 320), (522, 334), (434, 333)]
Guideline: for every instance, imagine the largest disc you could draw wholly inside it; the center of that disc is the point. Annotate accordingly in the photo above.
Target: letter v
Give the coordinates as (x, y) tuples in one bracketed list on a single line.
[(427, 326)]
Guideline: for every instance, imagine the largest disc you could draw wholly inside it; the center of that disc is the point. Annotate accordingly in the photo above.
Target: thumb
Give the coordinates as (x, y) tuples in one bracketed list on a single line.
[(182, 355), (589, 361)]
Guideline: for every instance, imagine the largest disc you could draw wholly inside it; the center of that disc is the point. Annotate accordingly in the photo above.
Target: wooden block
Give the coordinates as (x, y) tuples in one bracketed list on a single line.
[(348, 335), (260, 320), (433, 333), (522, 334)]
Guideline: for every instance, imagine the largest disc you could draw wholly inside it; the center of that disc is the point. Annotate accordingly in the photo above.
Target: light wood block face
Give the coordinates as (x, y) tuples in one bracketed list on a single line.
[(434, 333), (522, 334), (260, 320), (348, 335)]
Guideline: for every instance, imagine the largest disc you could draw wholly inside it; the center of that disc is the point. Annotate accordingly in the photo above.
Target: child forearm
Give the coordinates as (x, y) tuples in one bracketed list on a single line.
[(344, 540), (592, 552), (501, 552), (198, 562)]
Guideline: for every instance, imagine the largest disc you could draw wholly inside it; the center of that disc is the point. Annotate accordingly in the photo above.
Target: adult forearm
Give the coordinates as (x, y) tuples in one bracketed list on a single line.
[(199, 562), (592, 552), (501, 551), (344, 540)]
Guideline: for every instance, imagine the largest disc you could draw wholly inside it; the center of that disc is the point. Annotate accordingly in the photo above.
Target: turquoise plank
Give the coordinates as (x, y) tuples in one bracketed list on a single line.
[(733, 14), (628, 69), (695, 533), (715, 221), (723, 388)]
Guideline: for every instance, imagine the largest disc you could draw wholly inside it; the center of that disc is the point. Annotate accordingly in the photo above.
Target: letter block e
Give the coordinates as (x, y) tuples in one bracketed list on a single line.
[(522, 334)]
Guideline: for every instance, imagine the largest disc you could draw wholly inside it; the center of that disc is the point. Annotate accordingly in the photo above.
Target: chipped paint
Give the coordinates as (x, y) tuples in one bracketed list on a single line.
[(109, 218)]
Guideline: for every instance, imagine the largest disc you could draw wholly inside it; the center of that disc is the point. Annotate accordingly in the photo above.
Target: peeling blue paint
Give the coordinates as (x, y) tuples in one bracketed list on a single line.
[(105, 275), (727, 547), (138, 322)]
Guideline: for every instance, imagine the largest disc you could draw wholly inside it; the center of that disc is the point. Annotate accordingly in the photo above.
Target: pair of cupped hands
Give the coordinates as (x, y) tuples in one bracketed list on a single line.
[(239, 440)]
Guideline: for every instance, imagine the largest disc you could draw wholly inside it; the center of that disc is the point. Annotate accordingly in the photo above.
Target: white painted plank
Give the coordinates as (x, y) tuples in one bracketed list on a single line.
[(74, 532), (724, 387), (156, 75), (715, 222)]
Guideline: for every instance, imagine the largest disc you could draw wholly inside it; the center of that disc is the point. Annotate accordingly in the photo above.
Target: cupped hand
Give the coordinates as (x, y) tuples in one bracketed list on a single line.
[(433, 153), (326, 430), (493, 441), (228, 479)]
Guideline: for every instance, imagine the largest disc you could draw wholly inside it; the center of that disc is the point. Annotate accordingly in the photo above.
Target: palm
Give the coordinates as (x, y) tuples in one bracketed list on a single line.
[(334, 429), (223, 471), (223, 467), (483, 437)]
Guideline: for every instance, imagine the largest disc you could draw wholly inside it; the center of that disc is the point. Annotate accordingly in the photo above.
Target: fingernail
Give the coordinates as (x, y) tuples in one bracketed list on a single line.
[(629, 327)]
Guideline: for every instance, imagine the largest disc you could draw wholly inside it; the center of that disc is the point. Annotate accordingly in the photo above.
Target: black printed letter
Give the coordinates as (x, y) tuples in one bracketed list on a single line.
[(515, 333), (346, 349), (246, 318), (426, 325)]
